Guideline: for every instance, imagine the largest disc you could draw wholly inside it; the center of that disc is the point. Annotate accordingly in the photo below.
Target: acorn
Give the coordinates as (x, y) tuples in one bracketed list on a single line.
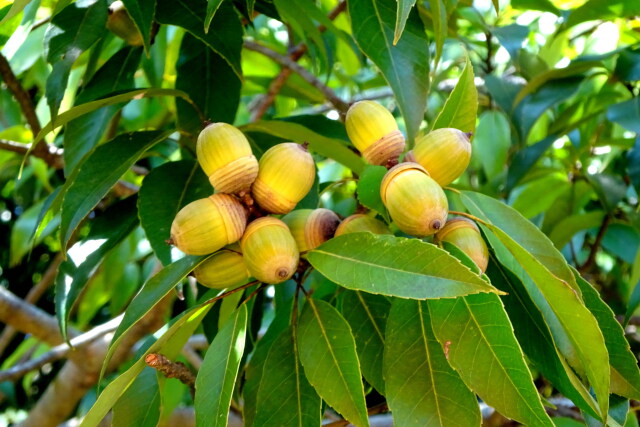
[(464, 233), (415, 202), (374, 132), (445, 153), (206, 225), (362, 223), (286, 175), (225, 156), (311, 227), (270, 251), (120, 23), (224, 269)]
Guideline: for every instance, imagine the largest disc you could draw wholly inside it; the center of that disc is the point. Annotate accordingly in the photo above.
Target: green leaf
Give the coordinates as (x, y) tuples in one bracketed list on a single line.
[(521, 231), (209, 81), (480, 345), (156, 288), (255, 367), (164, 191), (303, 25), (22, 231), (625, 376), (176, 336), (328, 147), (367, 316), (634, 300), (98, 173), (575, 68), (71, 32), (574, 328), (328, 353), (142, 13), (524, 160), (212, 8), (422, 389), (404, 66), (404, 7), (461, 108), (226, 40), (217, 376), (285, 396), (80, 110), (537, 196), (83, 134), (16, 7), (440, 26), (626, 114), (605, 10), (395, 266), (369, 188), (565, 229), (491, 142), (536, 339), (140, 403), (113, 226)]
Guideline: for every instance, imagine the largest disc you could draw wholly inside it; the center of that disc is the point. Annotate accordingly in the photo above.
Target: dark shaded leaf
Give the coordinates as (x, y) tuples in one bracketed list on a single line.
[(226, 40), (166, 190), (98, 173), (626, 114), (524, 160), (140, 404), (404, 66)]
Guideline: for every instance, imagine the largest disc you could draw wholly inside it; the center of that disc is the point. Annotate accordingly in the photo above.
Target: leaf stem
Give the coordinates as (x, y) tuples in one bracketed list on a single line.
[(475, 218)]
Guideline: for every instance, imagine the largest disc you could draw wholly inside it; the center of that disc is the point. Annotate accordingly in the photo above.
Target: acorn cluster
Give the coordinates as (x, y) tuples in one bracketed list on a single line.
[(238, 222)]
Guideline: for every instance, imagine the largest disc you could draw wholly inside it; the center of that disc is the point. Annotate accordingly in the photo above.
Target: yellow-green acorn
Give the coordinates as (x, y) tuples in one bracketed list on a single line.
[(270, 251), (225, 156), (206, 225), (415, 202), (120, 23), (445, 153), (362, 223), (464, 233), (224, 269), (286, 175), (311, 227), (374, 132)]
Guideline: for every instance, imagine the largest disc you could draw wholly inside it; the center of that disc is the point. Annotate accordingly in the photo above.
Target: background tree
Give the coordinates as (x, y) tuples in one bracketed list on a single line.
[(100, 111)]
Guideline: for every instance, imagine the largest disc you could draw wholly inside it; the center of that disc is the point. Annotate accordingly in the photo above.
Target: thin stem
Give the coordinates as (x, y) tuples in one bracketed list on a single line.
[(232, 291), (596, 245), (475, 218)]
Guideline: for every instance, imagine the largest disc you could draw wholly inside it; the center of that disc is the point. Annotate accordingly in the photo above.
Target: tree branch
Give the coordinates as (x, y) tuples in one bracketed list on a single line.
[(287, 62), (59, 351), (279, 81), (51, 154), (169, 369), (32, 297), (596, 245), (29, 319)]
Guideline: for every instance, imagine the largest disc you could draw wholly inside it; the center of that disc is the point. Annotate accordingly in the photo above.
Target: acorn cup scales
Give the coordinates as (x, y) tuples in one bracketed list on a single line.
[(311, 227), (206, 225), (270, 251), (415, 202), (374, 132), (285, 176), (225, 156)]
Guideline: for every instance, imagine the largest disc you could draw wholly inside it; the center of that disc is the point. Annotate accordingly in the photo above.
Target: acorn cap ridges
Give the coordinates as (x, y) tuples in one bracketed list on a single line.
[(311, 227)]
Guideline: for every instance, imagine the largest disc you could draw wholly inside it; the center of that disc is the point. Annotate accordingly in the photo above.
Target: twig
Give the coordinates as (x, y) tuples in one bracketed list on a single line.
[(596, 245), (279, 81), (169, 369), (475, 218), (32, 297), (51, 154), (286, 61), (232, 291), (59, 351)]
